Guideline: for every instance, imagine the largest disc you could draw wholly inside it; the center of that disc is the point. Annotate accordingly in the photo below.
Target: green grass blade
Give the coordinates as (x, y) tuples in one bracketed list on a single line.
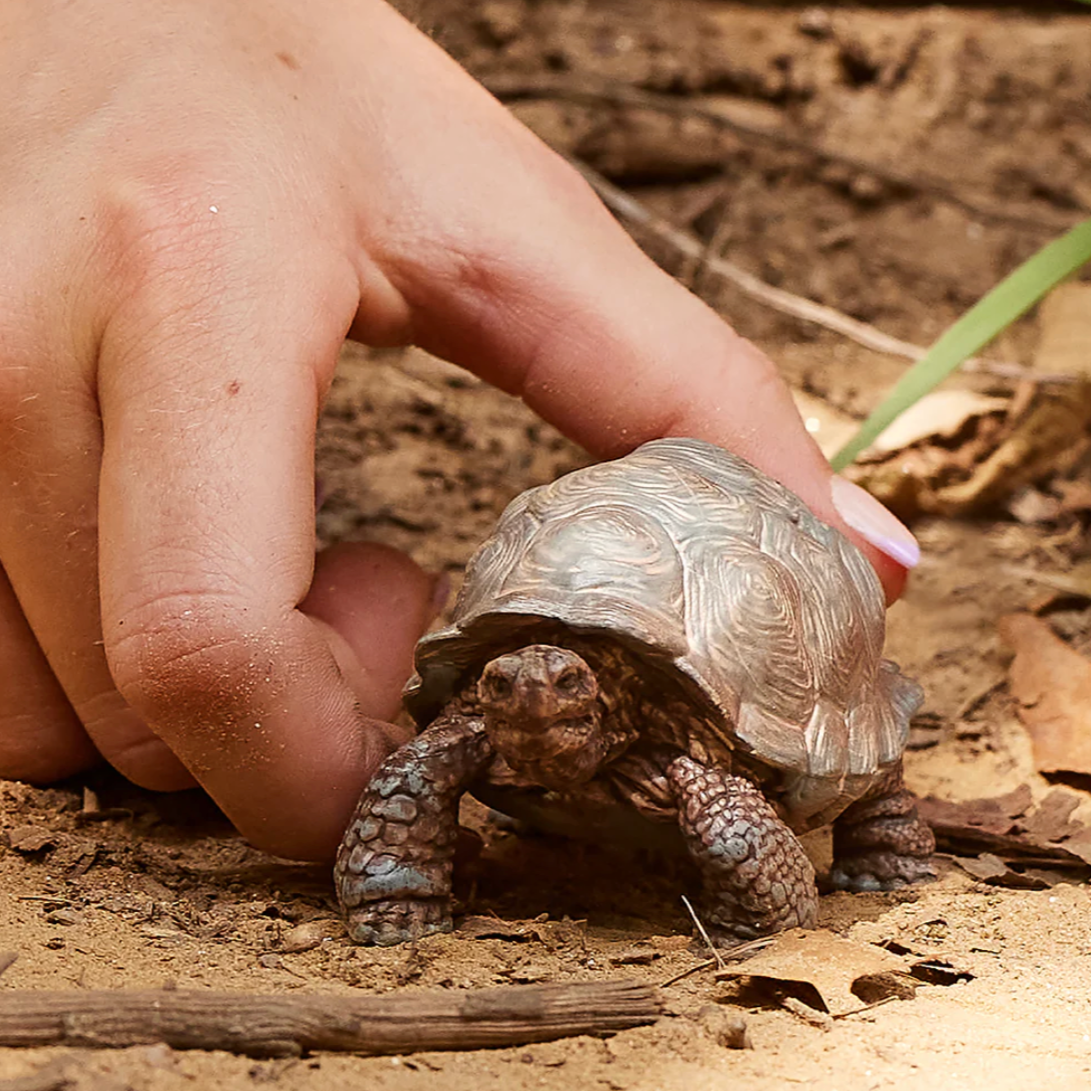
[(1013, 296)]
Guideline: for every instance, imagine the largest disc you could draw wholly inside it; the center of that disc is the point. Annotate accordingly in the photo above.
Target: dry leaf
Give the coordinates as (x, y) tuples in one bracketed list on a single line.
[(817, 967), (31, 838), (1043, 441), (1051, 820), (1073, 496), (996, 814), (941, 414), (1052, 684), (952, 454), (997, 837), (550, 934), (310, 934), (990, 869), (1080, 845)]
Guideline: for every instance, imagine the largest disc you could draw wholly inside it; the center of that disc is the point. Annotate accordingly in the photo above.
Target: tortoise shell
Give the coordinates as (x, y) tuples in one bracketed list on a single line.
[(697, 561)]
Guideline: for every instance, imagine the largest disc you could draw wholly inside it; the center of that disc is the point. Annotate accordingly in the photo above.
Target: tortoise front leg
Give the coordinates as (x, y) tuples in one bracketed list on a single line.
[(393, 870), (880, 842), (757, 878)]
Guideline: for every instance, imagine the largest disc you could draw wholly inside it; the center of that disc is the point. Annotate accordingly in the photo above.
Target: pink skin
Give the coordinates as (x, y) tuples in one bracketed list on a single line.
[(543, 716), (199, 199)]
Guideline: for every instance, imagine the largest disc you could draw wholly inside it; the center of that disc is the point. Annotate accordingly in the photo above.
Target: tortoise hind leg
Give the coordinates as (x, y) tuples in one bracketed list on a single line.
[(880, 842), (393, 870), (757, 878)]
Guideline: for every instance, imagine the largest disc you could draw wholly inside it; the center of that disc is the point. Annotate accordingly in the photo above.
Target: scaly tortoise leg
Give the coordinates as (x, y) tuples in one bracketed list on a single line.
[(757, 878), (393, 870), (880, 842)]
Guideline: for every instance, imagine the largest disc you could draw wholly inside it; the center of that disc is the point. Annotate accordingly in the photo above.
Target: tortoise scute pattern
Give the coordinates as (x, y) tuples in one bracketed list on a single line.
[(674, 639), (699, 558)]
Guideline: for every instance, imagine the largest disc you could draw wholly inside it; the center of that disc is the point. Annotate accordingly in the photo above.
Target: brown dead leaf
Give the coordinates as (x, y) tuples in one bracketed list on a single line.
[(941, 414), (1031, 505), (1080, 845), (984, 867), (997, 814), (1040, 443), (1074, 495), (818, 968), (956, 453), (1051, 820), (310, 934), (551, 934), (984, 468), (990, 869), (31, 838), (1003, 838), (1052, 684), (495, 928)]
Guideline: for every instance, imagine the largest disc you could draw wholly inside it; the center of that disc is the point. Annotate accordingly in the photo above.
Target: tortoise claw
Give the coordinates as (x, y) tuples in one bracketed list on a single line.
[(880, 871), (386, 924)]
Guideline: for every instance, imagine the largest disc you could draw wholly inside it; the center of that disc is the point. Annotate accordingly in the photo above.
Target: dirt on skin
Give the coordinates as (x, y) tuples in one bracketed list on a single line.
[(915, 155)]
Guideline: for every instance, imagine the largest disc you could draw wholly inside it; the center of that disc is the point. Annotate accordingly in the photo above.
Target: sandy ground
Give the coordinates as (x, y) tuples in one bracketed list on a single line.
[(910, 157)]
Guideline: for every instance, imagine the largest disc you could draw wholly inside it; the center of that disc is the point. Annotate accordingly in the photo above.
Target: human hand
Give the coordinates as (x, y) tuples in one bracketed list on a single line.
[(198, 201)]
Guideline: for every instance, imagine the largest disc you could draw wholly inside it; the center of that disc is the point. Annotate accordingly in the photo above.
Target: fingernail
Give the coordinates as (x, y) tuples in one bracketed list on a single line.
[(441, 592), (872, 521)]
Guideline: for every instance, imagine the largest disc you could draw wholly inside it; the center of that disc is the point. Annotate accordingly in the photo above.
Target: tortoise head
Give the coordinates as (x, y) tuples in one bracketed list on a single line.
[(542, 714)]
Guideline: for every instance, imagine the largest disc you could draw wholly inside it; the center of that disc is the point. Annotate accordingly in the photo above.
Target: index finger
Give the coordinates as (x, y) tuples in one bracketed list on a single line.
[(516, 270), (603, 344)]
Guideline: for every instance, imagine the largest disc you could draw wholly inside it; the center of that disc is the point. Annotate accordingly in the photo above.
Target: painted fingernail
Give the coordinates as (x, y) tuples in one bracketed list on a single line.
[(872, 521)]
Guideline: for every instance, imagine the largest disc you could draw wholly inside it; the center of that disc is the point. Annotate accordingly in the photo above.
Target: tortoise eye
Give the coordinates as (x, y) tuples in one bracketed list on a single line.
[(568, 681), (499, 687)]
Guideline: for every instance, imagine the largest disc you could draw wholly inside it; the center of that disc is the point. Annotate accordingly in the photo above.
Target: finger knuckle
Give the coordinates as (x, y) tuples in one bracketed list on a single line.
[(163, 225), (187, 657)]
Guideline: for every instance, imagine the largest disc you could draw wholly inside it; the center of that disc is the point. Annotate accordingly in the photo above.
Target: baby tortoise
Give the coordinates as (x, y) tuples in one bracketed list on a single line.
[(670, 637)]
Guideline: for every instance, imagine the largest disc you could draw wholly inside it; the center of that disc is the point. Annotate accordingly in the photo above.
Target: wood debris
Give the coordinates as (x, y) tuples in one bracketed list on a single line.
[(291, 1025), (958, 453), (1005, 841), (1052, 684)]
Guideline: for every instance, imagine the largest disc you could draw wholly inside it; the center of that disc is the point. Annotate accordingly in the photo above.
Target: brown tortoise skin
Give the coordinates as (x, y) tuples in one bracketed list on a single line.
[(394, 868)]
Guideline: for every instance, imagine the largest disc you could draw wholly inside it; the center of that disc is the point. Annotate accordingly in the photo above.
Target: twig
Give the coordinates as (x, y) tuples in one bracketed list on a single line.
[(686, 973), (589, 90), (704, 935), (821, 1019), (867, 1007), (789, 303), (272, 1026), (737, 953)]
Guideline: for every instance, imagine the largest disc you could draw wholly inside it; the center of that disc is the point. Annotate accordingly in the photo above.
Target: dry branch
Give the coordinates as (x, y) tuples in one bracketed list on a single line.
[(587, 89), (627, 207), (271, 1026)]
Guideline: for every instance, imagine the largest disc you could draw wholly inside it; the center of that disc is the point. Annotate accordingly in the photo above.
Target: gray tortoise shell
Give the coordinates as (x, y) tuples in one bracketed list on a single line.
[(698, 560)]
